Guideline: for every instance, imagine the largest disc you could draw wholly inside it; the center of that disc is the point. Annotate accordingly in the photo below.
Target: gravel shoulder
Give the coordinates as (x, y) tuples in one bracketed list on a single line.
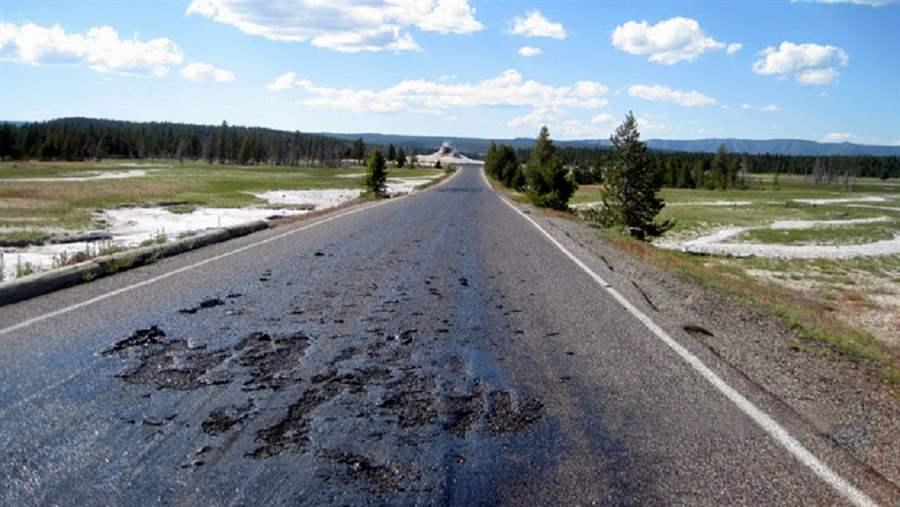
[(843, 398)]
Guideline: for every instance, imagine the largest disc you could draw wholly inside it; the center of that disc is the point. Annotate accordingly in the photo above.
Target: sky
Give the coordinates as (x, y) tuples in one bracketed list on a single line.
[(824, 70)]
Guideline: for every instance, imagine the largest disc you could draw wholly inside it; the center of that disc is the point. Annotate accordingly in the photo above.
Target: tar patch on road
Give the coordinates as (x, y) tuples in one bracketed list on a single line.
[(379, 390)]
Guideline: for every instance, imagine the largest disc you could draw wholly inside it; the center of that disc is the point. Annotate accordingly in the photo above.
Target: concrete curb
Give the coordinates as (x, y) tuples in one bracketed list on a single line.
[(48, 281)]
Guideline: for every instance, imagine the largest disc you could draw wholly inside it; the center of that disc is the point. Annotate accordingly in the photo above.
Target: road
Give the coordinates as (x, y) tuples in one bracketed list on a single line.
[(435, 349)]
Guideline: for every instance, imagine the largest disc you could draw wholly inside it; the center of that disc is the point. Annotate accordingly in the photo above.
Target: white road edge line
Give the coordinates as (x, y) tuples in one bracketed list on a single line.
[(762, 419), (97, 299)]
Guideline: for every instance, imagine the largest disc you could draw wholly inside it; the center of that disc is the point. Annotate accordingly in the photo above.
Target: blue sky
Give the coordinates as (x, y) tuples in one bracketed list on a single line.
[(762, 69)]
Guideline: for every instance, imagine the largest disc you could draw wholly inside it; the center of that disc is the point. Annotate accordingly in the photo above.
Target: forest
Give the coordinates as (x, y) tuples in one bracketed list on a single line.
[(77, 139), (728, 170)]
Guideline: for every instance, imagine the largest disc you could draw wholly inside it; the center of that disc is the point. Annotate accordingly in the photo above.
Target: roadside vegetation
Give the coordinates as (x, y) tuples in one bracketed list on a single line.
[(629, 197), (376, 175), (544, 178), (836, 305), (70, 205)]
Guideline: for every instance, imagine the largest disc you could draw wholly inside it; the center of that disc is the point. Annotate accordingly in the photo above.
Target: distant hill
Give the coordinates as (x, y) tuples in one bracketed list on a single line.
[(479, 146), (774, 146)]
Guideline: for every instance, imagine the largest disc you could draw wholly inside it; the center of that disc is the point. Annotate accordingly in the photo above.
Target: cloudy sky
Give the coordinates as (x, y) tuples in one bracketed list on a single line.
[(818, 69)]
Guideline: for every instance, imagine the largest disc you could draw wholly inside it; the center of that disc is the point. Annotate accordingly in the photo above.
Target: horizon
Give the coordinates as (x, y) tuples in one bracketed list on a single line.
[(449, 138), (812, 70)]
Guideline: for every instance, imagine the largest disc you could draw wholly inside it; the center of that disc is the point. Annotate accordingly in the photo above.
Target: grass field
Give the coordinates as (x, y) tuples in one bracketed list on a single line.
[(47, 209), (71, 204), (852, 304)]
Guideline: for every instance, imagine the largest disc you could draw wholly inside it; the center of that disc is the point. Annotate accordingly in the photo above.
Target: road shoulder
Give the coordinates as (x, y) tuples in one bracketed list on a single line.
[(844, 399)]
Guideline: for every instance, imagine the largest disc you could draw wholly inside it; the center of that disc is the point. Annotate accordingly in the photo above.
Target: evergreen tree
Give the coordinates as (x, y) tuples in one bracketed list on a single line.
[(490, 161), (358, 151), (401, 158), (630, 193), (720, 168), (412, 158), (376, 175), (246, 153), (508, 170), (549, 184), (392, 153)]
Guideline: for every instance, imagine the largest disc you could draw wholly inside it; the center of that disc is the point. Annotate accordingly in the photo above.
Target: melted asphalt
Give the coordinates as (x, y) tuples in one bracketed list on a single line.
[(433, 350)]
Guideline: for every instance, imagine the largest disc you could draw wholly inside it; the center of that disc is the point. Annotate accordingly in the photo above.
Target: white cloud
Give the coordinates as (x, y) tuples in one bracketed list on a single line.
[(734, 47), (100, 49), (529, 51), (534, 24), (648, 124), (658, 93), (870, 3), (809, 64), (770, 108), (509, 89), (565, 127), (200, 71), (603, 119), (347, 26), (667, 42), (838, 137), (447, 77)]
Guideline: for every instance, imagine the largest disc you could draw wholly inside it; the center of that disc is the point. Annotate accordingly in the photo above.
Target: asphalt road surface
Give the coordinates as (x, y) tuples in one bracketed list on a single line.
[(435, 349)]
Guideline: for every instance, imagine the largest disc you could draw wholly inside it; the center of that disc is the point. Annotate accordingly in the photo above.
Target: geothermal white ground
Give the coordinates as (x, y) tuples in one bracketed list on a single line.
[(716, 243), (131, 226), (88, 176)]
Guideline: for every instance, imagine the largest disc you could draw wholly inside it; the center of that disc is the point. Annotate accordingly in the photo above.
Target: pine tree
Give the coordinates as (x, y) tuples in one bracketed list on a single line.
[(720, 168), (631, 186), (7, 141), (376, 176), (246, 153), (392, 153), (490, 161), (508, 170), (401, 158), (549, 184), (358, 151)]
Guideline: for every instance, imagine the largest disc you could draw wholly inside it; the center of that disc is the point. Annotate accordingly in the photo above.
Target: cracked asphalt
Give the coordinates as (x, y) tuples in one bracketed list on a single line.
[(432, 350)]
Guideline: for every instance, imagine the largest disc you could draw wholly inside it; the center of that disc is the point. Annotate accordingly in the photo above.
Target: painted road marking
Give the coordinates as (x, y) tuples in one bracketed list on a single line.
[(762, 419), (76, 306)]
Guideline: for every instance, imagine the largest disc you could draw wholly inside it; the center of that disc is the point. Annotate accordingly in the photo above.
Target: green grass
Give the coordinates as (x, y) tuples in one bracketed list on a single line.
[(815, 321), (70, 204), (768, 205), (819, 315), (23, 236), (845, 235)]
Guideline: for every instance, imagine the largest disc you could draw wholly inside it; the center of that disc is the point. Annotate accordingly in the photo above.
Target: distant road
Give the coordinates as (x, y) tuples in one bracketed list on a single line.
[(436, 349)]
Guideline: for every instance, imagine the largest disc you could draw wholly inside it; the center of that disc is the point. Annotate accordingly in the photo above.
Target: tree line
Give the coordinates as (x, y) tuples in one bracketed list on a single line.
[(79, 139), (726, 170), (631, 183)]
